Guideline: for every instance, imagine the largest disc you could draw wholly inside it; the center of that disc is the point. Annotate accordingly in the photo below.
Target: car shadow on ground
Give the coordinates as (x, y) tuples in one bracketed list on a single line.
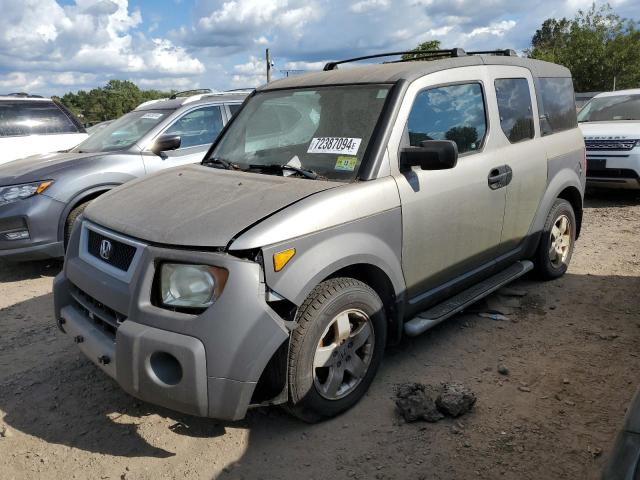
[(606, 197), (16, 272)]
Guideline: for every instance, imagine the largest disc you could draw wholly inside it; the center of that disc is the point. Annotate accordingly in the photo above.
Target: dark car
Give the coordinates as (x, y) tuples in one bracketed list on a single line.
[(41, 196)]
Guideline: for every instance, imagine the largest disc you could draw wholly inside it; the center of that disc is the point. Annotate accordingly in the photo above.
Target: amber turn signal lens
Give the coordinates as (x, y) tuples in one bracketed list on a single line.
[(280, 259), (43, 186)]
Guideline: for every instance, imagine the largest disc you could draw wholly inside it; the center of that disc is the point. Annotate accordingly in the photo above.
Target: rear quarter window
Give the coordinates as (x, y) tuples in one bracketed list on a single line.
[(19, 118), (557, 105)]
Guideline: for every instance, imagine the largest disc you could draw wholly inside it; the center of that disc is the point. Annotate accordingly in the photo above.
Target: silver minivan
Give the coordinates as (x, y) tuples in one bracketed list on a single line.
[(336, 212)]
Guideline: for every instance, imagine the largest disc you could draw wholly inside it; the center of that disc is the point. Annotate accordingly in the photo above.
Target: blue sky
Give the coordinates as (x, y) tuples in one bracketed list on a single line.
[(55, 46)]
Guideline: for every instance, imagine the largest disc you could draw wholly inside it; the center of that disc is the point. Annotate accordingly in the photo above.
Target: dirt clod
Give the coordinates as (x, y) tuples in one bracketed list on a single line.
[(455, 399), (417, 402)]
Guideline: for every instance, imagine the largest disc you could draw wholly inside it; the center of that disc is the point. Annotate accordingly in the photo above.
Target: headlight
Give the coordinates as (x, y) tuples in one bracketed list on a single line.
[(191, 286), (12, 193)]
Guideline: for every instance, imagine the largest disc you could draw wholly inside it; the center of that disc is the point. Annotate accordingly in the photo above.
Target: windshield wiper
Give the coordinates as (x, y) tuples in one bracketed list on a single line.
[(226, 164), (274, 166)]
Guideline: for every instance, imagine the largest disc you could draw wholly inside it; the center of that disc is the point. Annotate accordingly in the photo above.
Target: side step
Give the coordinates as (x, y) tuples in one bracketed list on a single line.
[(429, 318)]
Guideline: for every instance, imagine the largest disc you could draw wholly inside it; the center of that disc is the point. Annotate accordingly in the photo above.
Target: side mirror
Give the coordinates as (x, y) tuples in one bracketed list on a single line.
[(166, 142), (430, 155)]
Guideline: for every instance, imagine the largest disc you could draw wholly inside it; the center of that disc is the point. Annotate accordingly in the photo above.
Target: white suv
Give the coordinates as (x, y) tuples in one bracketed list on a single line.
[(31, 124), (610, 123)]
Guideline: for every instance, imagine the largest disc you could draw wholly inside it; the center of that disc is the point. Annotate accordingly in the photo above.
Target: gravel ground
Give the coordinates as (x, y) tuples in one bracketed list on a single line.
[(570, 348)]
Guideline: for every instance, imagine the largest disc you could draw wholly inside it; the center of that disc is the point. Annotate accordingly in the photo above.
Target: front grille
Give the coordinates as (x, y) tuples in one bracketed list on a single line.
[(120, 254), (602, 145), (612, 173), (100, 315)]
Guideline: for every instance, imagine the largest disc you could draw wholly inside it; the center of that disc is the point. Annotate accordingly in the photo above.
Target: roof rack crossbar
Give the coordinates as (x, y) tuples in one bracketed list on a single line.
[(454, 52), (505, 53), (190, 92)]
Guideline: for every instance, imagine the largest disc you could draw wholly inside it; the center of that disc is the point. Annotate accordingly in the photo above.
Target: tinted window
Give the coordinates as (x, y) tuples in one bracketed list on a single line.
[(33, 118), (199, 127), (514, 106), (233, 108), (454, 112), (558, 105)]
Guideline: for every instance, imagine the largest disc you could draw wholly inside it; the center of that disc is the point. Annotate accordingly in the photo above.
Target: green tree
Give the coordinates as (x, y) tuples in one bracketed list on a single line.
[(113, 100), (597, 46), (429, 45)]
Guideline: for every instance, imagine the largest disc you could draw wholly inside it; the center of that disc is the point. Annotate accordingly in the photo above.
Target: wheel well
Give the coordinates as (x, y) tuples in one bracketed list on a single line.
[(77, 201), (572, 195), (377, 279)]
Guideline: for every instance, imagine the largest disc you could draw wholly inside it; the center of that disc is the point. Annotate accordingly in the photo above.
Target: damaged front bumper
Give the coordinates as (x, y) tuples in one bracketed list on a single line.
[(206, 364)]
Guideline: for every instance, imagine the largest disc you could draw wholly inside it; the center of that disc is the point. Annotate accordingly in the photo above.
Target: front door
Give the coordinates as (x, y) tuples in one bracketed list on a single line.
[(198, 129), (452, 219)]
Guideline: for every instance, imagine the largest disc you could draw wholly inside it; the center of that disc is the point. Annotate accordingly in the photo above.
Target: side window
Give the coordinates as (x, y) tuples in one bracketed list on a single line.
[(452, 112), (234, 107), (514, 106), (33, 118), (198, 127), (558, 105)]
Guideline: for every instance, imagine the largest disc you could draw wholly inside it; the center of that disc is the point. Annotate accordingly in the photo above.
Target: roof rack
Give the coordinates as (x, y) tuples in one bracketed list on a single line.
[(190, 93), (500, 53), (420, 55), (23, 95)]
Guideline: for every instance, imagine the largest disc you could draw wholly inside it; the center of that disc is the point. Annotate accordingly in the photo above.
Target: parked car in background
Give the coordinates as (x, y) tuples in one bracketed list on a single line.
[(98, 126), (338, 211), (610, 123), (30, 124), (41, 196)]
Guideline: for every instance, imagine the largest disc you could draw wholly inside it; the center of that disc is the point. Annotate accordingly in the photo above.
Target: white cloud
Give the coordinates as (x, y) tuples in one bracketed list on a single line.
[(365, 6), (498, 29), (90, 36)]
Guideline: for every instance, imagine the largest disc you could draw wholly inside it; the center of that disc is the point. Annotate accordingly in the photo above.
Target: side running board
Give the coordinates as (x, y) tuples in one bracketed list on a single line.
[(436, 314)]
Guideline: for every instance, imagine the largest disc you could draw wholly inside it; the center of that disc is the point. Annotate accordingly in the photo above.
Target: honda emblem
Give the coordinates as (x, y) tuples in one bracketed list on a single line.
[(105, 249)]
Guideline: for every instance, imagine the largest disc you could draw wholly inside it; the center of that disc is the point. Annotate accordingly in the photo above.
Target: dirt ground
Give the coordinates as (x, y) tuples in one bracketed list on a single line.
[(571, 347)]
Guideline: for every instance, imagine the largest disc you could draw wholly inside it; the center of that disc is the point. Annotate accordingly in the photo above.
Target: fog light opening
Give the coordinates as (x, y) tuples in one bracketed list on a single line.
[(166, 368), (20, 235)]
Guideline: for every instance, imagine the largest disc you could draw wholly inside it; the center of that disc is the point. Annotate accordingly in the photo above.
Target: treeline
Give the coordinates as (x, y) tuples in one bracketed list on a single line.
[(116, 98), (601, 49)]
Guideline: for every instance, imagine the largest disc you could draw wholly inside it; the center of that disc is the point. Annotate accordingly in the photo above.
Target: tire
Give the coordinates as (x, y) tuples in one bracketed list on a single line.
[(552, 262), (71, 220), (351, 350)]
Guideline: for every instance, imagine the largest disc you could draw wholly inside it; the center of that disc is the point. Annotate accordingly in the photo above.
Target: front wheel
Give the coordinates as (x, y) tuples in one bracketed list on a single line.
[(336, 348), (557, 242)]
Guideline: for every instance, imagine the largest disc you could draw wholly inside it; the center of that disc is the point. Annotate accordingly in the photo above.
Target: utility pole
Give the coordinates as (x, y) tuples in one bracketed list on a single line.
[(268, 66)]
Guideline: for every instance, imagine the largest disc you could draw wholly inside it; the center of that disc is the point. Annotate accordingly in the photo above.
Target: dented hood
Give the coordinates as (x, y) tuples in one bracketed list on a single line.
[(197, 206)]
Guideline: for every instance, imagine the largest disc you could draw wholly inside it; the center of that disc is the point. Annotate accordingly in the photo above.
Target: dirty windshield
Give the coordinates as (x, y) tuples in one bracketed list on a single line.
[(323, 130), (124, 132)]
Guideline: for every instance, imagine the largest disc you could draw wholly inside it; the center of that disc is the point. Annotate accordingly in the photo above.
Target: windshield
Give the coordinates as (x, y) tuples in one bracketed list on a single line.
[(608, 109), (123, 132), (326, 130)]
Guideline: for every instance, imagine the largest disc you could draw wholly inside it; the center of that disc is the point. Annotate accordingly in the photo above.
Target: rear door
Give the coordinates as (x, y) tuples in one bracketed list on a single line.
[(519, 146), (198, 128)]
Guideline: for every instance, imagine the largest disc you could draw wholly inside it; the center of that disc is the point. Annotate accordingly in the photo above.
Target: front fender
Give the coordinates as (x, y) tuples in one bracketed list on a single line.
[(374, 240)]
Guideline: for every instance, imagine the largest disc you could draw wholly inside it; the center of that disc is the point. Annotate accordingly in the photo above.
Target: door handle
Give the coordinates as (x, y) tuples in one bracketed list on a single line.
[(499, 177)]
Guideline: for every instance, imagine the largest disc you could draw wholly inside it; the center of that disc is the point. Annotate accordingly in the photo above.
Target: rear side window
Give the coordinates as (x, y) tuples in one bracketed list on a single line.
[(452, 112), (234, 107), (514, 106), (558, 105), (19, 118)]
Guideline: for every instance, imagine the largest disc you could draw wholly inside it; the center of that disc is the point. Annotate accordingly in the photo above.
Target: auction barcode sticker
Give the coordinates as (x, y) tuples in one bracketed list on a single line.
[(336, 145)]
